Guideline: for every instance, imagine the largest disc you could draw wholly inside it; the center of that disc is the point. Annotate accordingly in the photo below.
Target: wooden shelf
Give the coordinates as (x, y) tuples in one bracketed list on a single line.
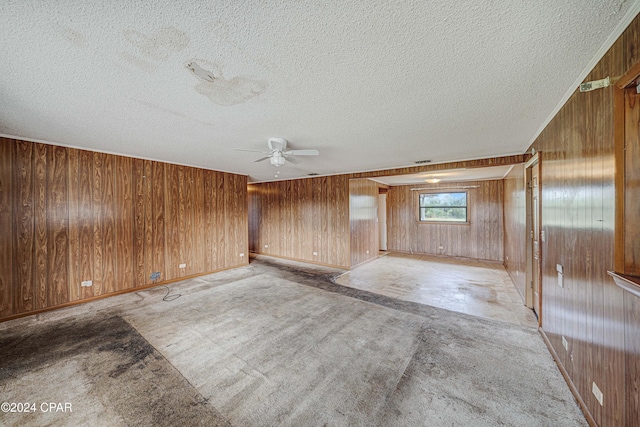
[(628, 283)]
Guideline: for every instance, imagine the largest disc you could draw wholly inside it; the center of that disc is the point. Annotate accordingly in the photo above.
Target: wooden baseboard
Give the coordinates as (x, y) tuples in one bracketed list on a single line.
[(462, 258), (572, 386), (366, 261), (113, 294), (341, 267)]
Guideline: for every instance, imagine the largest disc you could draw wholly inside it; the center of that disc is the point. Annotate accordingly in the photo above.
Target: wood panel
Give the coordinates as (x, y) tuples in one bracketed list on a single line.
[(57, 212), (242, 221), (6, 225), (141, 196), (125, 222), (223, 212), (282, 220), (73, 199), (96, 289), (148, 226), (209, 218), (481, 238), (515, 222), (363, 220), (198, 209), (85, 222), (41, 229), (172, 212), (68, 216), (185, 212), (24, 223), (228, 213), (158, 224), (108, 219)]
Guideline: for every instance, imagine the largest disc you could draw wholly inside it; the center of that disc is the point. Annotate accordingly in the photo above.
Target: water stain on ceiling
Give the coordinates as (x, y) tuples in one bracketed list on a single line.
[(76, 38), (223, 91), (138, 62), (160, 44), (155, 47)]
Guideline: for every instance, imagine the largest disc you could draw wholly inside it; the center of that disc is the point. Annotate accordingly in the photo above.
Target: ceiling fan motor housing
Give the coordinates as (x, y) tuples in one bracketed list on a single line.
[(277, 143)]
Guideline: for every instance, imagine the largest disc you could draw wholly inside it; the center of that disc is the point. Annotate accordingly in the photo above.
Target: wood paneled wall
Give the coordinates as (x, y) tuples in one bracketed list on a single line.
[(69, 215), (482, 238), (514, 224), (598, 320), (302, 219), (363, 219)]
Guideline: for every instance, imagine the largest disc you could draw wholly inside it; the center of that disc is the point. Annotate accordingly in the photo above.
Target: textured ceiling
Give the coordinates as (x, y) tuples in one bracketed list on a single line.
[(370, 84)]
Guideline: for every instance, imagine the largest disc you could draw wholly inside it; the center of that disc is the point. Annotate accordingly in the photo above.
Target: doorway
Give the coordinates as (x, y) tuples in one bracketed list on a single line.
[(534, 237), (382, 219)]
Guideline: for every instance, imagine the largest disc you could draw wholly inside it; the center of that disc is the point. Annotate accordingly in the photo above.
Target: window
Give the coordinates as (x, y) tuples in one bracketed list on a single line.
[(443, 207)]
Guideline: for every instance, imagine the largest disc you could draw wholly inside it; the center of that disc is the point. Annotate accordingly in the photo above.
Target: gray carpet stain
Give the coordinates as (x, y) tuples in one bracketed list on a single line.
[(125, 373)]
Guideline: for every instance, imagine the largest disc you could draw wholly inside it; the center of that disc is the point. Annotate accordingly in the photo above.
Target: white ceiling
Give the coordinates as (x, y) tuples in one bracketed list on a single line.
[(448, 175), (370, 84)]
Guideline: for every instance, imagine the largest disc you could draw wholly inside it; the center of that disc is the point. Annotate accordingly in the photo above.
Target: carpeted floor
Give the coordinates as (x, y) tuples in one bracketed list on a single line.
[(277, 344)]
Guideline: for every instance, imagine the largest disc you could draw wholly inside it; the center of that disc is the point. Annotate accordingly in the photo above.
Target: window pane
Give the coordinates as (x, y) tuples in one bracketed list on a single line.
[(444, 214), (443, 199)]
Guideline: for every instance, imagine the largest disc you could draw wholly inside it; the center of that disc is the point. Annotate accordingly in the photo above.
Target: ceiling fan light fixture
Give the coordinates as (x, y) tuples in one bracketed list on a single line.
[(277, 160), (433, 180)]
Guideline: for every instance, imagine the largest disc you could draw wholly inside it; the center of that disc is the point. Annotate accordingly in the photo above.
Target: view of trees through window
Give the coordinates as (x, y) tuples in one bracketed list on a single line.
[(443, 207)]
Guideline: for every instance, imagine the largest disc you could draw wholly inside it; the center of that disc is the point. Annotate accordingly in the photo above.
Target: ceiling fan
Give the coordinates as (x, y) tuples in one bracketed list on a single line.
[(278, 154)]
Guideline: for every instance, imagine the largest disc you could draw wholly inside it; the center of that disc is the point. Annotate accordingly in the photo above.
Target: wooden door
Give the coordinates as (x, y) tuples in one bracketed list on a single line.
[(535, 240)]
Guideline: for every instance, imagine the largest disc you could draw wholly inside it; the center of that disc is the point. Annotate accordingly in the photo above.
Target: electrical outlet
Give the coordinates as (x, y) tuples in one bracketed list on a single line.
[(86, 283), (597, 393), (241, 254), (565, 344), (266, 246), (182, 265), (315, 253), (367, 252)]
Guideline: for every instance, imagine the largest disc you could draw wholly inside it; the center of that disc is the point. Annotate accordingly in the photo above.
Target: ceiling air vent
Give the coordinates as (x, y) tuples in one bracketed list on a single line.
[(418, 162)]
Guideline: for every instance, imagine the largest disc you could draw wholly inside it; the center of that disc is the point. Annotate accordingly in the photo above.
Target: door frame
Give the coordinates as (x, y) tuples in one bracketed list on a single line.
[(530, 265)]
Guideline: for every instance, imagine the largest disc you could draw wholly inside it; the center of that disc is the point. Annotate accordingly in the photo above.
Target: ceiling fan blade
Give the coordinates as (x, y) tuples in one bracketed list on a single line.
[(292, 160), (302, 153), (259, 160)]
